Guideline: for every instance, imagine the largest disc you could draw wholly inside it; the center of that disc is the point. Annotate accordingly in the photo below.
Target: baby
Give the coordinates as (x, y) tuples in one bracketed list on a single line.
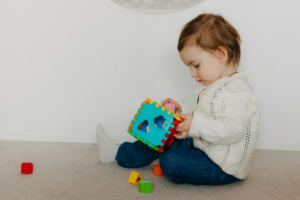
[(217, 138)]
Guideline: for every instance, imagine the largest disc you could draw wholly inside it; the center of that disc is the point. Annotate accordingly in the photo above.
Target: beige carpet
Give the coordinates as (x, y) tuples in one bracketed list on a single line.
[(70, 171)]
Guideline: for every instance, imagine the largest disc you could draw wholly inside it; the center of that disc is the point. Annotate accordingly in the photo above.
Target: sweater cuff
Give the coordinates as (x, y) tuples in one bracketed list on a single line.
[(184, 109), (198, 118)]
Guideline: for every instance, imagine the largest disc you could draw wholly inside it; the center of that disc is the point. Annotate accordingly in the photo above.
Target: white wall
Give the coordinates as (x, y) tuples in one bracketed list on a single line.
[(66, 66)]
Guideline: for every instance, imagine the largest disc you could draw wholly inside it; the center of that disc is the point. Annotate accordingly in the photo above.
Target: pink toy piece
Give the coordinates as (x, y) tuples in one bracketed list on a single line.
[(26, 168), (170, 106)]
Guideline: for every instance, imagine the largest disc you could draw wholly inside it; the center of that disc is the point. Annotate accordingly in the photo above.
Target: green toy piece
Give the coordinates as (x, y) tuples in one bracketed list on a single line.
[(145, 186)]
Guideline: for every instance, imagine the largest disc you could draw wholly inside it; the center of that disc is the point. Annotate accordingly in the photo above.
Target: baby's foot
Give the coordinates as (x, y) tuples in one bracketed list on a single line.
[(107, 149)]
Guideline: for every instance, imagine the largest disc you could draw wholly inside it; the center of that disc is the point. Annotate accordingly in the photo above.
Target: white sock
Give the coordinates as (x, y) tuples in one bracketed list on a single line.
[(107, 149)]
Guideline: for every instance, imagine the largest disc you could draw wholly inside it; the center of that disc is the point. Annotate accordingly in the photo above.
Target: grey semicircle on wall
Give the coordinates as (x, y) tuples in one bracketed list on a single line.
[(157, 5)]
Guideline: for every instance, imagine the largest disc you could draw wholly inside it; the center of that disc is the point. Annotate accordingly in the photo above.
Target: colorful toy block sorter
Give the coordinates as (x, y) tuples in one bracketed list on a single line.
[(162, 124)]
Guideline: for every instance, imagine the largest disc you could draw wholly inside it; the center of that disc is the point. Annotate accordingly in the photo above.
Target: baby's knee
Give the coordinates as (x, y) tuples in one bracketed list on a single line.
[(170, 167), (124, 147)]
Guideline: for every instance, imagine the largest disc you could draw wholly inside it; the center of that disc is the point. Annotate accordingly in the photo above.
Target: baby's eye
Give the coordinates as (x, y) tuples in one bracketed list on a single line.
[(196, 66)]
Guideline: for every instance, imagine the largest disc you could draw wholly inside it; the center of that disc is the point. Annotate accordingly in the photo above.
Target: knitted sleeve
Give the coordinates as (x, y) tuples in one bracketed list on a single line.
[(186, 109), (230, 114)]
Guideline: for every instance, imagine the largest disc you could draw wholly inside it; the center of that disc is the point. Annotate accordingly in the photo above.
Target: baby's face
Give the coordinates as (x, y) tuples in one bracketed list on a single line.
[(205, 67)]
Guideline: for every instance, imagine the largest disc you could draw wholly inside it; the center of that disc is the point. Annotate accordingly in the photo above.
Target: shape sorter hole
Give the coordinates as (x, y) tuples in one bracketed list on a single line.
[(144, 126), (159, 122)]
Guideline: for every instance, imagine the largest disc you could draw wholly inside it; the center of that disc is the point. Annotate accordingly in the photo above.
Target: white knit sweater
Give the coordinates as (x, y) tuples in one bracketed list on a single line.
[(226, 123)]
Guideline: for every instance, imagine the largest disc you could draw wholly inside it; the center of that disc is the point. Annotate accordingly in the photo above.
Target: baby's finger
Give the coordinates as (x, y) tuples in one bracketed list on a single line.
[(169, 100), (176, 136), (179, 135), (174, 102), (179, 129), (164, 101), (179, 126)]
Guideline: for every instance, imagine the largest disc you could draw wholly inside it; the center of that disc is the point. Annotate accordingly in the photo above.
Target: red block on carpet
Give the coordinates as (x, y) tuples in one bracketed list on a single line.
[(26, 168)]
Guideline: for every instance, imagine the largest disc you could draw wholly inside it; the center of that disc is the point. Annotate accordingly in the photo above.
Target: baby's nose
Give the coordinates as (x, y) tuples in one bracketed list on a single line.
[(194, 75)]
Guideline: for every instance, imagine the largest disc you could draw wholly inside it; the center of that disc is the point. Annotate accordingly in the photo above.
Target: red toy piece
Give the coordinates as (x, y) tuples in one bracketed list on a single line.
[(173, 132), (26, 168), (170, 137)]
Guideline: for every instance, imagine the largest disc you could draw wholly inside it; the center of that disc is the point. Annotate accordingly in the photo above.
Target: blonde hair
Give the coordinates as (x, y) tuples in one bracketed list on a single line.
[(211, 31)]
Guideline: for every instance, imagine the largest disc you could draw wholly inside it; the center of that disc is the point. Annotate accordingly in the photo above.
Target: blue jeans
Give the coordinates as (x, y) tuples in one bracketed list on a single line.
[(181, 162)]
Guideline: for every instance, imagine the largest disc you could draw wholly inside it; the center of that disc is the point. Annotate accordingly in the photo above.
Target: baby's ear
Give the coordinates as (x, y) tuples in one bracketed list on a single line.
[(221, 53)]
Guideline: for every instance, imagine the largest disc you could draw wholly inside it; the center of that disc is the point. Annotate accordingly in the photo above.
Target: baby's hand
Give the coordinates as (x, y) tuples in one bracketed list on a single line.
[(169, 100), (184, 127)]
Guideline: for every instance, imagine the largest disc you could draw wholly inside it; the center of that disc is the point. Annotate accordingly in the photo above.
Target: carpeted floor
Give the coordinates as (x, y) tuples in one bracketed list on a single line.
[(70, 171)]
